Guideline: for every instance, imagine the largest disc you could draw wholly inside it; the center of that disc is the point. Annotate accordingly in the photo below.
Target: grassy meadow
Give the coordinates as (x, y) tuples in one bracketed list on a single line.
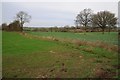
[(29, 55), (110, 38), (0, 53)]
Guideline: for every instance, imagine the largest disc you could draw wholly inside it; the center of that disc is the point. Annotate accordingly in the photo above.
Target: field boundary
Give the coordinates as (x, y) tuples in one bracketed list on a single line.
[(109, 47)]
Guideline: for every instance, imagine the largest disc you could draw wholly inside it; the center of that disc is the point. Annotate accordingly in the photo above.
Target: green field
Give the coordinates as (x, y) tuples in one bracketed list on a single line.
[(31, 57), (0, 53), (111, 38)]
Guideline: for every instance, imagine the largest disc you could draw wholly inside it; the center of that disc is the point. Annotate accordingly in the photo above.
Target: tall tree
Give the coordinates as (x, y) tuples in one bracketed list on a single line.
[(4, 26), (112, 21), (23, 17), (104, 19), (84, 18)]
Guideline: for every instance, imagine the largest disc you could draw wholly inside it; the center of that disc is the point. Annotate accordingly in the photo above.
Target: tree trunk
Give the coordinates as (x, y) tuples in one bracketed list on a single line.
[(102, 31), (21, 27), (109, 29), (85, 31)]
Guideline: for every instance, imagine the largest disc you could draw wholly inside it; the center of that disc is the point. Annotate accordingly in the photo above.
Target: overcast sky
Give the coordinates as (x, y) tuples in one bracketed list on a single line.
[(46, 14)]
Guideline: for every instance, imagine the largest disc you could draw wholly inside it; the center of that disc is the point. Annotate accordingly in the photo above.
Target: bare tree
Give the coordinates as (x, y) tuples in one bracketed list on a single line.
[(84, 17), (104, 19), (23, 17)]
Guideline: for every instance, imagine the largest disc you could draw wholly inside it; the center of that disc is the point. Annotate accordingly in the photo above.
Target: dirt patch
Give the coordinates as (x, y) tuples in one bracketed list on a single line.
[(101, 73), (89, 49), (117, 66), (52, 52), (64, 69)]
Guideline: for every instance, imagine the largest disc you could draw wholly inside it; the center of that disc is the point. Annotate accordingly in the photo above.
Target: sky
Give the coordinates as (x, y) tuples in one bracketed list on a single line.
[(119, 14), (50, 14)]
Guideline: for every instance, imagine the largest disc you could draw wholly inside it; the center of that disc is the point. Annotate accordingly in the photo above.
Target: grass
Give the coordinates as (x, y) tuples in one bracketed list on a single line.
[(25, 57), (111, 38), (0, 53)]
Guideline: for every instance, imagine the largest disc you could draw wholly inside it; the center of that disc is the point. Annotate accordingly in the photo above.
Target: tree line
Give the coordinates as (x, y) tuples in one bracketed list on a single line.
[(86, 21), (102, 19), (17, 25)]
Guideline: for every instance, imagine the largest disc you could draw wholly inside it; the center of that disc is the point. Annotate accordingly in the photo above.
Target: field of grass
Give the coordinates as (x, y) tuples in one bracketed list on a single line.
[(0, 54), (25, 57), (111, 38)]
